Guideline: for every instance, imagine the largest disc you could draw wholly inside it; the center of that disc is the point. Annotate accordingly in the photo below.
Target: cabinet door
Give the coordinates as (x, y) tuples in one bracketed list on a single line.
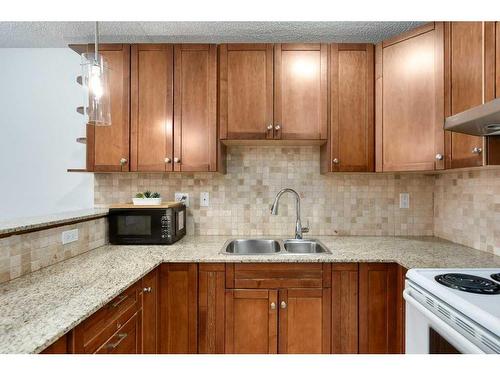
[(465, 62), (304, 321), (345, 308), (246, 91), (410, 101), (351, 142), (251, 321), (151, 142), (150, 310), (178, 308), (108, 146), (195, 107), (211, 301), (300, 91), (378, 309)]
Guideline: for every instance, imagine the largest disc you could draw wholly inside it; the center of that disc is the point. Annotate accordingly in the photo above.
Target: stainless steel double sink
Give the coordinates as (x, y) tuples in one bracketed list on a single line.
[(272, 246)]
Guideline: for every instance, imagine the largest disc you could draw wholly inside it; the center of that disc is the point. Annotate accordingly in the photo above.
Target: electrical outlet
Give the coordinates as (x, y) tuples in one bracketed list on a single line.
[(404, 200), (204, 199), (69, 236), (182, 197)]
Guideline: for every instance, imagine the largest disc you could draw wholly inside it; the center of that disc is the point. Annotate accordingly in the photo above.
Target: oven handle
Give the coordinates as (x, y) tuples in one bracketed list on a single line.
[(444, 328)]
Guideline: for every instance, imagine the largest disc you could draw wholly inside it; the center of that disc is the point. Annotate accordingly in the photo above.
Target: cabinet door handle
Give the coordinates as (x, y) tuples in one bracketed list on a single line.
[(439, 157), (177, 160), (123, 161), (283, 304), (270, 127), (335, 161), (168, 160), (477, 150), (147, 289), (120, 300), (277, 127), (273, 306), (121, 337)]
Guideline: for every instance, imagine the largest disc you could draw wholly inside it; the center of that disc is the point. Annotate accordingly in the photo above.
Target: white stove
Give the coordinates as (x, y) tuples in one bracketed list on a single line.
[(452, 310)]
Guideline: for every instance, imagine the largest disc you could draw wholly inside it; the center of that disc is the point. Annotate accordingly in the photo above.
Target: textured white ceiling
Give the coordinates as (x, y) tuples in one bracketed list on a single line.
[(60, 34)]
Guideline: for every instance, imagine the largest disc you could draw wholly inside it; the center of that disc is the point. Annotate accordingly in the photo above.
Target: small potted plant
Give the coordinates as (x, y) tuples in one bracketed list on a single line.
[(147, 199)]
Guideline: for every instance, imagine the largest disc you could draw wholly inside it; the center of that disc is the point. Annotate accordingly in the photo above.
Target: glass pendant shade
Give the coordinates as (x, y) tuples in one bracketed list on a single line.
[(95, 80)]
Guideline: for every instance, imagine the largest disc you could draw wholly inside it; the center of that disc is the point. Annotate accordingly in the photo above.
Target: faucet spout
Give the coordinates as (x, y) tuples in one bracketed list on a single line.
[(275, 208)]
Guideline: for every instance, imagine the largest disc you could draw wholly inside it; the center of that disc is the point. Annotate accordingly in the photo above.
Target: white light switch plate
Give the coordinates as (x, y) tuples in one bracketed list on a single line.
[(69, 236), (404, 200), (204, 199), (182, 197)]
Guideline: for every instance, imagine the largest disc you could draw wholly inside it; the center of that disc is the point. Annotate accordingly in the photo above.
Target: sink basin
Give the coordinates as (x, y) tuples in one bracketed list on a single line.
[(305, 247), (249, 247)]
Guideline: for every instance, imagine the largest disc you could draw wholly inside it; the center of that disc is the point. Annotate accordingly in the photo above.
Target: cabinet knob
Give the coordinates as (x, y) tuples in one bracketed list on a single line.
[(277, 127), (283, 304), (123, 161), (273, 306), (147, 289), (270, 127), (177, 160), (439, 156), (477, 150), (168, 160), (335, 161)]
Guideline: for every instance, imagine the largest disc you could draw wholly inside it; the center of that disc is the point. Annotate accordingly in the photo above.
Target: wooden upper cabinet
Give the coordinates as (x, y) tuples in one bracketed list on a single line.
[(410, 101), (251, 321), (300, 91), (108, 146), (304, 321), (350, 147), (152, 103), (246, 91), (195, 107), (470, 81)]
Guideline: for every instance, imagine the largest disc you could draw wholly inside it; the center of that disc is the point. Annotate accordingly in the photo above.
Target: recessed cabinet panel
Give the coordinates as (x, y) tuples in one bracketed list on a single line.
[(108, 146), (300, 97), (195, 111), (246, 91), (350, 147), (410, 103), (152, 107)]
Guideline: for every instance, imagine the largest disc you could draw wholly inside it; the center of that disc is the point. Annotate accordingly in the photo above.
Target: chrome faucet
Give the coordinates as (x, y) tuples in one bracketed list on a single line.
[(274, 211)]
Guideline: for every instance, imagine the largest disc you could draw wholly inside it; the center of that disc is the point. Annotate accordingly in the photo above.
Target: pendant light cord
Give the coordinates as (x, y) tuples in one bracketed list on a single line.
[(96, 54)]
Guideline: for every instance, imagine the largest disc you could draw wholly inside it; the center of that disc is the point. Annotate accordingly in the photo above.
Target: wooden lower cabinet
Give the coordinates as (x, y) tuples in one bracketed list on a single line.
[(150, 312), (178, 308), (380, 309), (251, 321)]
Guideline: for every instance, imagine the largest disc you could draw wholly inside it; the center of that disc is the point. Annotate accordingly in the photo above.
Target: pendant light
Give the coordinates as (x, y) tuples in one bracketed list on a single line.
[(95, 80)]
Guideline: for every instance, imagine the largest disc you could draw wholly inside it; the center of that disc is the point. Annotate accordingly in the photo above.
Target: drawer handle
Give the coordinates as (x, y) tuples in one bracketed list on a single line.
[(120, 300), (147, 289), (121, 337)]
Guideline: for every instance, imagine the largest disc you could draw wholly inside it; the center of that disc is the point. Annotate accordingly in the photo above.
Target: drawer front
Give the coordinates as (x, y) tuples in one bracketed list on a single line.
[(125, 340), (282, 275), (97, 329)]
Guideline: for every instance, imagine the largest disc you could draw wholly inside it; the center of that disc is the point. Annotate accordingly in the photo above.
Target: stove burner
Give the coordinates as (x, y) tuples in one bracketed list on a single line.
[(468, 283), (496, 276)]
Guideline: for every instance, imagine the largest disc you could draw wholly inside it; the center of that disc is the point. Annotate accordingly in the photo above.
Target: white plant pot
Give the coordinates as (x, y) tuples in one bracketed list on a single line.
[(146, 201)]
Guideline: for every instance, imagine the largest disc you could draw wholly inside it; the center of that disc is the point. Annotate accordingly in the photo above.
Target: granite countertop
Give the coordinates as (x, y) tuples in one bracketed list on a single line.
[(37, 309), (12, 226)]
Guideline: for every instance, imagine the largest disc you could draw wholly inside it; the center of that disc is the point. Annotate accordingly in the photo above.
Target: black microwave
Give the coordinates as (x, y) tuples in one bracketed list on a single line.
[(147, 226)]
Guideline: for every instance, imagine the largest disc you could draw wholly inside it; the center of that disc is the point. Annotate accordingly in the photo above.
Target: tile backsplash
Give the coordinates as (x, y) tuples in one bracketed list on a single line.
[(24, 253), (344, 204), (467, 208)]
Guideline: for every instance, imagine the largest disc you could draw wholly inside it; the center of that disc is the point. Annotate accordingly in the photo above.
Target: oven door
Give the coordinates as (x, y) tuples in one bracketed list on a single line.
[(140, 226), (427, 333)]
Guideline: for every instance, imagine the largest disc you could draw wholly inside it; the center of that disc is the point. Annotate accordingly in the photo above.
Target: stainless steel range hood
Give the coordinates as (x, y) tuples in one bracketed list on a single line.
[(480, 120)]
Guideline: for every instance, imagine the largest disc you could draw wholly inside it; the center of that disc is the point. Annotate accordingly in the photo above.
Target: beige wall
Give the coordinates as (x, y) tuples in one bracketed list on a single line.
[(467, 208), (347, 204)]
